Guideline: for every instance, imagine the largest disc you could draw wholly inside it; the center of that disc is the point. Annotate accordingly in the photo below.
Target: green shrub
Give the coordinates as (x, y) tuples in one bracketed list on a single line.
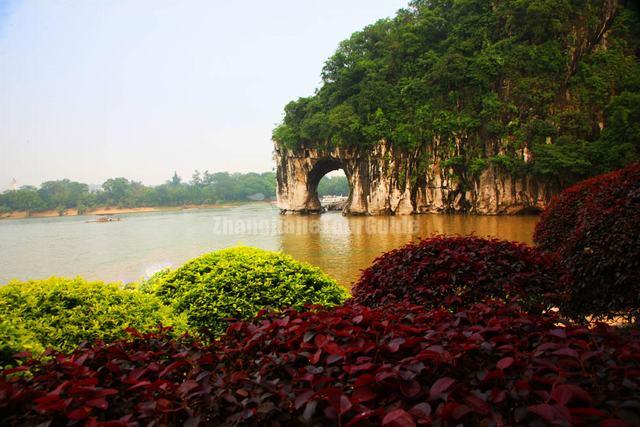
[(14, 338), (61, 313), (151, 283), (239, 282)]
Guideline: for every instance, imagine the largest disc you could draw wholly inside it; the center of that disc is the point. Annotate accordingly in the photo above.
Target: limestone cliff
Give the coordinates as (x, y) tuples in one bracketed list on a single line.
[(486, 107), (388, 181)]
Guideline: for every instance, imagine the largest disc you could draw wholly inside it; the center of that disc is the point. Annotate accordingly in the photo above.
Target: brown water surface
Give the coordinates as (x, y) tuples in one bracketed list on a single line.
[(343, 246), (143, 243)]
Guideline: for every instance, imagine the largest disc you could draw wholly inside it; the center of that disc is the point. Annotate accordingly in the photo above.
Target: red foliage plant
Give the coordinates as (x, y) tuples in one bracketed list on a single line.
[(593, 228), (446, 270), (488, 364)]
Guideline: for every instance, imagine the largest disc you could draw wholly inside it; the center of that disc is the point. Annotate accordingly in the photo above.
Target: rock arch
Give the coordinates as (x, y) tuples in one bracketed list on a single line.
[(387, 181), (298, 176), (321, 167)]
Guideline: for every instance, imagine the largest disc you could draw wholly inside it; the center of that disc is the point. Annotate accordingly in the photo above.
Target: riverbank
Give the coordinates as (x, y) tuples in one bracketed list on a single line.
[(108, 210)]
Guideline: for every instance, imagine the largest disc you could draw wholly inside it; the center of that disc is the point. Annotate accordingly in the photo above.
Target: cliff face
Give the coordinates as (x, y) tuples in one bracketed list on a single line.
[(388, 181), (482, 103)]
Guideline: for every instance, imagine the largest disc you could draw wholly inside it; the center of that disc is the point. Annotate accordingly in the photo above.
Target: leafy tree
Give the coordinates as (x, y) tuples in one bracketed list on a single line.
[(205, 188), (196, 179), (476, 79), (175, 179), (334, 186), (620, 139), (116, 188), (63, 194), (24, 199)]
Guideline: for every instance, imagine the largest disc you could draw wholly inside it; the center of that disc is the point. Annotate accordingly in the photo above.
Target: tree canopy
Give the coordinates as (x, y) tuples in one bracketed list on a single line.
[(204, 188), (486, 81)]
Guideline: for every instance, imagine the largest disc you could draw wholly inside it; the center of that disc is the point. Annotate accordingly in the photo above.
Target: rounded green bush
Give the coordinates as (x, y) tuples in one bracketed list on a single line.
[(61, 313), (239, 282)]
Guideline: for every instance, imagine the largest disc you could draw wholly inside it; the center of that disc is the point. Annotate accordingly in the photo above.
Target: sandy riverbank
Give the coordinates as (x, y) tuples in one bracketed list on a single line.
[(108, 210)]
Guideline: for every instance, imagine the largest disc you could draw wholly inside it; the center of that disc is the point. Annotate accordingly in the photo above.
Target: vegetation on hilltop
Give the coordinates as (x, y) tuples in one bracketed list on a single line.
[(487, 82)]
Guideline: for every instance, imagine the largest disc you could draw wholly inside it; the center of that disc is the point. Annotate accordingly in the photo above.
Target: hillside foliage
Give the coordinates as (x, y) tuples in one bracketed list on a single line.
[(525, 85)]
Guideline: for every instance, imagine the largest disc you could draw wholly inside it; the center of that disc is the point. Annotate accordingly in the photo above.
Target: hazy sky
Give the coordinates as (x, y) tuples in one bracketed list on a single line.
[(92, 89)]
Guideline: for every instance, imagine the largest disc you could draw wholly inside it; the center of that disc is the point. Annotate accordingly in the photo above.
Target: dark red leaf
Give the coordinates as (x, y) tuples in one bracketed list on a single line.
[(398, 418), (421, 410), (79, 414), (440, 386), (565, 393), (99, 403), (505, 363), (551, 413), (362, 394), (303, 398)]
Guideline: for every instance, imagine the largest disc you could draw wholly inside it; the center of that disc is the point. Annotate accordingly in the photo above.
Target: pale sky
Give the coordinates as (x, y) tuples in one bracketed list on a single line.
[(93, 89)]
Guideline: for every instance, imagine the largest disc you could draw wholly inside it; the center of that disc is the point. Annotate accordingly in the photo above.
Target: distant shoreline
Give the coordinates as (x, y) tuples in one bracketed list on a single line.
[(109, 210)]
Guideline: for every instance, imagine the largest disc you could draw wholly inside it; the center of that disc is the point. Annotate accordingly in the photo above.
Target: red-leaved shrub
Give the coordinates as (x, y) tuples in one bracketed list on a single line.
[(445, 270), (147, 379), (488, 364), (558, 221), (593, 228)]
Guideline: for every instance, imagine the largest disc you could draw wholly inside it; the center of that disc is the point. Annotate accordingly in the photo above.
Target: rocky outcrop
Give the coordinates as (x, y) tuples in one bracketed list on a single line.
[(388, 181)]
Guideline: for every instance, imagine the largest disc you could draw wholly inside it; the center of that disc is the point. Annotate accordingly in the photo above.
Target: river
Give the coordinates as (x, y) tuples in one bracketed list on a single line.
[(142, 243)]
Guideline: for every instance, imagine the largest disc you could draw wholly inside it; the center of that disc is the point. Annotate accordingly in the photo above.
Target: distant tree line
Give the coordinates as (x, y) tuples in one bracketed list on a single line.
[(334, 186), (204, 188)]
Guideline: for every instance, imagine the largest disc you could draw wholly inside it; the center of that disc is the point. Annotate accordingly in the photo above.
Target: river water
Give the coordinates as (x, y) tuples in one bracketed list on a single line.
[(143, 243)]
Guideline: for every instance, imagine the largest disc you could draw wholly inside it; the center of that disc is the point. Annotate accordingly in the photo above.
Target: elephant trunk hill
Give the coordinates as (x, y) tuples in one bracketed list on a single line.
[(476, 106)]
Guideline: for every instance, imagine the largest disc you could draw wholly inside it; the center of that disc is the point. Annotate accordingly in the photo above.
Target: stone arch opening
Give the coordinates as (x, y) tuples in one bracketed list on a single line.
[(387, 181), (319, 170)]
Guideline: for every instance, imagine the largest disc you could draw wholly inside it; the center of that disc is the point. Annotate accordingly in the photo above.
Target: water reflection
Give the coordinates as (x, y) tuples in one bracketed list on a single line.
[(343, 246), (142, 243)]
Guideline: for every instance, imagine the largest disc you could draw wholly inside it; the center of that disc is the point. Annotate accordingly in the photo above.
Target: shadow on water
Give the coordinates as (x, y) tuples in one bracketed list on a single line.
[(342, 246)]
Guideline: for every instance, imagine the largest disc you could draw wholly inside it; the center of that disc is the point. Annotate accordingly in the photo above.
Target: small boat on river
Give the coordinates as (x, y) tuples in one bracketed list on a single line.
[(333, 203), (106, 218)]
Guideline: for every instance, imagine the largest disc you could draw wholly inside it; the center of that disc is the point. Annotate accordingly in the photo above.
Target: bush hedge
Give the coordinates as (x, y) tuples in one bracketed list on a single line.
[(558, 221), (593, 228), (61, 313), (488, 364), (239, 282), (14, 338), (447, 270)]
